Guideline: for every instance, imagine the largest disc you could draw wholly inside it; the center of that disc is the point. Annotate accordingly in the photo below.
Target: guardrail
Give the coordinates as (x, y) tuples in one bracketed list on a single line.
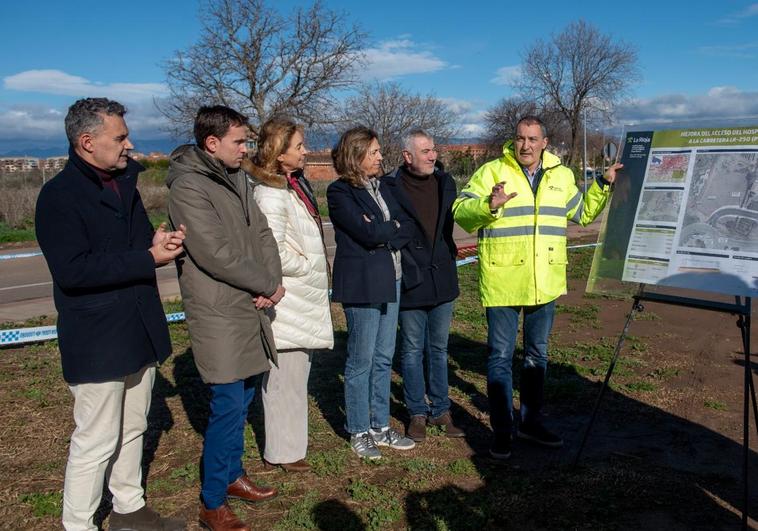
[(20, 255)]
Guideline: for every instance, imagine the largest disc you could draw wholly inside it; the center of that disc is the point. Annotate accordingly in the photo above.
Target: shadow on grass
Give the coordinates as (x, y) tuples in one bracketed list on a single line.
[(333, 514), (642, 467), (325, 383), (196, 395)]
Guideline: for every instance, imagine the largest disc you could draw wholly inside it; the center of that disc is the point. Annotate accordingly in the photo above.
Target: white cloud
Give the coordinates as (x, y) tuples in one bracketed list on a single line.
[(748, 50), (472, 130), (30, 121), (719, 103), (63, 84), (457, 106), (470, 116), (40, 122), (507, 75), (399, 57), (739, 16)]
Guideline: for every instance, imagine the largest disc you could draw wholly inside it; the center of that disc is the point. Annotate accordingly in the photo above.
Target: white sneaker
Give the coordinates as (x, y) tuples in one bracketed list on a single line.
[(364, 446), (391, 438)]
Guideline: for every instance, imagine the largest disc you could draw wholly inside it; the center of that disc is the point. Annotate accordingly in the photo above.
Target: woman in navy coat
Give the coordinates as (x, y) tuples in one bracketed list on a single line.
[(370, 229)]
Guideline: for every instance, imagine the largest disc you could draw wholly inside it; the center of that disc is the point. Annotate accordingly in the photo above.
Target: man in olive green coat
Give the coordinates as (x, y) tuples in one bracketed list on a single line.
[(230, 276)]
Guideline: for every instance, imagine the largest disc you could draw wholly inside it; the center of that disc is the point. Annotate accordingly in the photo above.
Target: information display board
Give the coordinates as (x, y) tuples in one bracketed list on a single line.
[(684, 212)]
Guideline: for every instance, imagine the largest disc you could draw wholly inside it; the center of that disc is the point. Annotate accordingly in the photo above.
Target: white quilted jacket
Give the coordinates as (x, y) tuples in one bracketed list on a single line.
[(302, 319)]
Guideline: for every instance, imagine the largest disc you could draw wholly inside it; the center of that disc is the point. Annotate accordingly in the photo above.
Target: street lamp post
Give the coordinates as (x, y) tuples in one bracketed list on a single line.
[(584, 161)]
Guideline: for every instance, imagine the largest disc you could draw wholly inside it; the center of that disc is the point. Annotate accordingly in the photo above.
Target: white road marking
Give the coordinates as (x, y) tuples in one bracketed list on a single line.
[(37, 284), (26, 286)]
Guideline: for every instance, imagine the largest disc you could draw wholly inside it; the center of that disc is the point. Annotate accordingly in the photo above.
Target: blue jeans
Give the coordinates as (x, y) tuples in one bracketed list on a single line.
[(425, 330), (371, 331), (502, 330), (224, 441)]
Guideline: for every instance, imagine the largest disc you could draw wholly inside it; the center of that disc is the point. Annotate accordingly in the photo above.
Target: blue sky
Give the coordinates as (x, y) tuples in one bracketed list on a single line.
[(698, 60)]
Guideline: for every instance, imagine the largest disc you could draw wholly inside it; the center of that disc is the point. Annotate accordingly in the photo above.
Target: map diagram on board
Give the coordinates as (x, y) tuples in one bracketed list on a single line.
[(668, 168), (685, 213), (660, 205), (722, 209)]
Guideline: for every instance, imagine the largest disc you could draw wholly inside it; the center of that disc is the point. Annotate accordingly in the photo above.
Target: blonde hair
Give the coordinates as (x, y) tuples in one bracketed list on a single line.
[(350, 151), (274, 140)]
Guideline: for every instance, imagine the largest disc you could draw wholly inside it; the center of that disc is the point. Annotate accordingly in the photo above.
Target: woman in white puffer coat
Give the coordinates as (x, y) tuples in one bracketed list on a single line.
[(301, 321)]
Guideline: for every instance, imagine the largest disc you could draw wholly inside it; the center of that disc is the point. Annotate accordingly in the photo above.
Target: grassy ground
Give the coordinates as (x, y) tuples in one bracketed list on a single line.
[(12, 235), (18, 198), (443, 483)]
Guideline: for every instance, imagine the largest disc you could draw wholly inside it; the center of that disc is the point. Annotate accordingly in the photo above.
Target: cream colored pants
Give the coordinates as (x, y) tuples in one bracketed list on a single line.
[(285, 406), (110, 419)]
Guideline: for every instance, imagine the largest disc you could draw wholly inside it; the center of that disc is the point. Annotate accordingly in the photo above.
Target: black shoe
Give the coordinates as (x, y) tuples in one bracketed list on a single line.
[(501, 446), (537, 433), (144, 519)]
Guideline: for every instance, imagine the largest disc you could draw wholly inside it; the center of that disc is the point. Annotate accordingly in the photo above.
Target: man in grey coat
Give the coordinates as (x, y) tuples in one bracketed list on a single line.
[(230, 275)]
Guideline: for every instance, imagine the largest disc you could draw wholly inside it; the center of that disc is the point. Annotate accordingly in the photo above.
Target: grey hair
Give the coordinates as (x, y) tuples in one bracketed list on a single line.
[(531, 119), (86, 116), (412, 135)]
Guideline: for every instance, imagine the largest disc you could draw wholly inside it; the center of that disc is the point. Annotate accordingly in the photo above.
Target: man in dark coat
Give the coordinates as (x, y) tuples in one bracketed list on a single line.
[(230, 277), (430, 283), (102, 253)]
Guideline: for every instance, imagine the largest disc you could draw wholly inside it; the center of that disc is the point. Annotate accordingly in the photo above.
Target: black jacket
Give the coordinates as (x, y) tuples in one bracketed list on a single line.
[(110, 318), (429, 272), (363, 270)]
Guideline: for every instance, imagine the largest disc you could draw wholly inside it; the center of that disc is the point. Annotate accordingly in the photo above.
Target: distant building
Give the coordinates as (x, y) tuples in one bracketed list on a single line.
[(474, 150), (319, 166), (18, 164), (152, 156), (53, 164)]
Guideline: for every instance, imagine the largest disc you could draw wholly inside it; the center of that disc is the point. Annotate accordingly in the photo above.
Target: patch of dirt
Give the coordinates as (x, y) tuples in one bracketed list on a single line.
[(4, 246)]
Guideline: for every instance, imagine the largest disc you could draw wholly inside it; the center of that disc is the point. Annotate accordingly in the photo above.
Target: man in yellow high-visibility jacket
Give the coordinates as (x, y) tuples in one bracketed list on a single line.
[(519, 204)]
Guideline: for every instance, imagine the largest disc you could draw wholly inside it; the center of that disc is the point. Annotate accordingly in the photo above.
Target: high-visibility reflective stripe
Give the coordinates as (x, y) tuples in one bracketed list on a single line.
[(504, 232), (549, 230), (468, 194), (523, 230), (553, 211), (518, 211), (577, 217), (574, 201)]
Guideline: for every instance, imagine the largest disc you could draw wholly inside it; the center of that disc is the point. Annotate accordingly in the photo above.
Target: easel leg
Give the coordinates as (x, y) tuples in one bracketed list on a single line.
[(636, 307), (743, 322)]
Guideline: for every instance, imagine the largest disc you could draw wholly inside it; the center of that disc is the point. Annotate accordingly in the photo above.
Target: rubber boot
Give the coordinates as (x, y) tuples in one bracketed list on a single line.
[(532, 391)]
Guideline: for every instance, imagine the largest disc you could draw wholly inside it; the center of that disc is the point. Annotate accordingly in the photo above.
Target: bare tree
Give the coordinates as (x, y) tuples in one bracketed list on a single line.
[(501, 119), (251, 57), (391, 111), (579, 69)]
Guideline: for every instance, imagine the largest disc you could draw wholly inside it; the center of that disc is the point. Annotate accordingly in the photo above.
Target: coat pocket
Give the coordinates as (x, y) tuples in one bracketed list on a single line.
[(506, 255), (556, 254), (96, 301)]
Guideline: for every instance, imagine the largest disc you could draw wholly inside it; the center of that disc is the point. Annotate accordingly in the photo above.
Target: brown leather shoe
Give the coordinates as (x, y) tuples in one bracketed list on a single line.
[(417, 428), (221, 519), (300, 465), (446, 421), (246, 490)]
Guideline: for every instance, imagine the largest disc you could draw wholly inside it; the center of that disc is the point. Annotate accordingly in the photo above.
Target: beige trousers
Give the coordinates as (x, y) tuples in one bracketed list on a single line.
[(110, 418), (285, 406)]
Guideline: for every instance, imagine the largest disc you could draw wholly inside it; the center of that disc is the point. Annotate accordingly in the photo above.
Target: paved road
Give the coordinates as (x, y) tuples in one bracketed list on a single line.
[(26, 286)]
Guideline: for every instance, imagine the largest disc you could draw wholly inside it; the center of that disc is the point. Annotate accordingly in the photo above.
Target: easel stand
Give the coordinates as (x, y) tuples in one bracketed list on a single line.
[(741, 308)]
